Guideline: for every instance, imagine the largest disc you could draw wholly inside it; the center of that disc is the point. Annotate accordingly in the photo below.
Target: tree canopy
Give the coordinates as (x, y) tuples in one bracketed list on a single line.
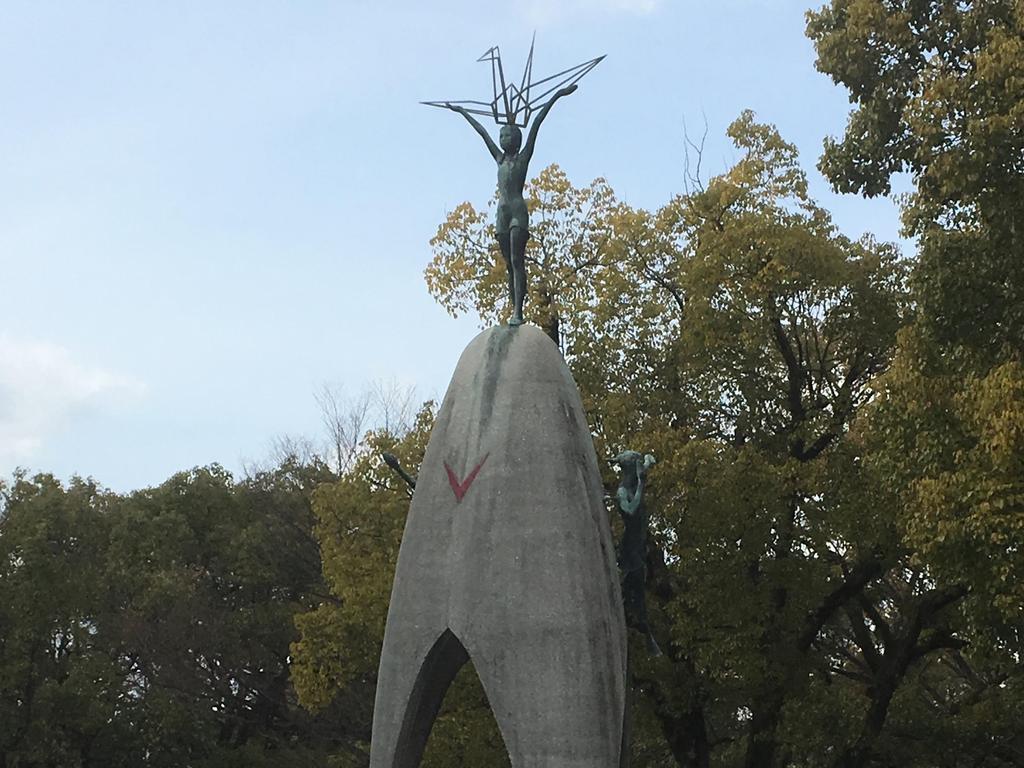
[(153, 628), (836, 570)]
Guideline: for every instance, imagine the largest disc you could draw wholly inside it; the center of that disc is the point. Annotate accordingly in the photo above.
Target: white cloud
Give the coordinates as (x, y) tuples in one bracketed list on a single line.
[(43, 387), (542, 12)]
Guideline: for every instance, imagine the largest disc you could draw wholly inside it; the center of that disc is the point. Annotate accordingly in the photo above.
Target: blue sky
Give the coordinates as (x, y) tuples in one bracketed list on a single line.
[(208, 210)]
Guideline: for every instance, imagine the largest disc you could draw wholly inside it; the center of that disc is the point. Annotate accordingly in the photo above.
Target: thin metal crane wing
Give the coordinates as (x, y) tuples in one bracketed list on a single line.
[(514, 104)]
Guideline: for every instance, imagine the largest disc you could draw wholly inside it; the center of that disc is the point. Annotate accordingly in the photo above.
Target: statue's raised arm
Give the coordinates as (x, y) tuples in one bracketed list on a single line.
[(531, 137), (491, 146), (392, 461)]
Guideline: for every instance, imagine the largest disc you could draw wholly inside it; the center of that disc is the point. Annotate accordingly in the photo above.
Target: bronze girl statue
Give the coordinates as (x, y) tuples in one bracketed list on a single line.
[(633, 548), (513, 218)]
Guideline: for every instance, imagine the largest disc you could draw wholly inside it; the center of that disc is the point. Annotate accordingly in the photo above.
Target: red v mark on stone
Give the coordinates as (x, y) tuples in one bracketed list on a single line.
[(459, 488)]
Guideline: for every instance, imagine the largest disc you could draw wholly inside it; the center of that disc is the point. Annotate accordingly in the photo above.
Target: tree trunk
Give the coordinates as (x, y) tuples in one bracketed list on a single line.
[(762, 740), (550, 322), (903, 651), (686, 733), (687, 738)]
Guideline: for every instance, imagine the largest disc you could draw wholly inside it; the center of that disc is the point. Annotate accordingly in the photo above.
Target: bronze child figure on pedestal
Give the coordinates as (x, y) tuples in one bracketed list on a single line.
[(512, 223)]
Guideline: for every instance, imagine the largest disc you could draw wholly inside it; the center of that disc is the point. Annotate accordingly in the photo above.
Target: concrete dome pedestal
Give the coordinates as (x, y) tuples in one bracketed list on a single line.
[(507, 559)]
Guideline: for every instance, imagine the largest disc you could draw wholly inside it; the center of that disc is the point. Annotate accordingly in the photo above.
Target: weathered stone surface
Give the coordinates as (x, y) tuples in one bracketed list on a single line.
[(507, 559)]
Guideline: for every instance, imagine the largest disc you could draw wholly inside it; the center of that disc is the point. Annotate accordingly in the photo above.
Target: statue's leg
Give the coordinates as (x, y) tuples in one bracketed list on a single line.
[(504, 241), (517, 244)]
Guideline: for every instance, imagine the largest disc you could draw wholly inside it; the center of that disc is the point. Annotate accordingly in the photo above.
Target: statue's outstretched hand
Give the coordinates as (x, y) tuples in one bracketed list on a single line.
[(567, 90), (643, 466)]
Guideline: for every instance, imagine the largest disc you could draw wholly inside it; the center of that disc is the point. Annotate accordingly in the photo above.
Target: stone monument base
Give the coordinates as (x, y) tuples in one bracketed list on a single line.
[(507, 559)]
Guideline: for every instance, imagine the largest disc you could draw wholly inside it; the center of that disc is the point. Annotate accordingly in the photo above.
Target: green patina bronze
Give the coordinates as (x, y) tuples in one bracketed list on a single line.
[(633, 548), (512, 108), (392, 461), (512, 224)]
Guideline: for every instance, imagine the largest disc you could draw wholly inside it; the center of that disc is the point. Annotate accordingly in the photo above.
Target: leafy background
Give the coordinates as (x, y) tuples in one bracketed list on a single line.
[(837, 508)]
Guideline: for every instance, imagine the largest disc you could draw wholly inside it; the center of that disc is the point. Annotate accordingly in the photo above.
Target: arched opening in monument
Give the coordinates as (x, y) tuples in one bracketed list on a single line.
[(465, 731), (449, 721)]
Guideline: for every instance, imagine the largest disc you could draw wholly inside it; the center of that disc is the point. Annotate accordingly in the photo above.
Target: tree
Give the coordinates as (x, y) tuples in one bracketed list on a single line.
[(939, 93), (346, 420), (63, 696), (938, 90), (153, 628)]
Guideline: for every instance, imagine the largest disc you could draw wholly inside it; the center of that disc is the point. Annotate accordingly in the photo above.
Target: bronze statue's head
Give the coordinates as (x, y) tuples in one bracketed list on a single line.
[(628, 459), (634, 463), (510, 139)]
